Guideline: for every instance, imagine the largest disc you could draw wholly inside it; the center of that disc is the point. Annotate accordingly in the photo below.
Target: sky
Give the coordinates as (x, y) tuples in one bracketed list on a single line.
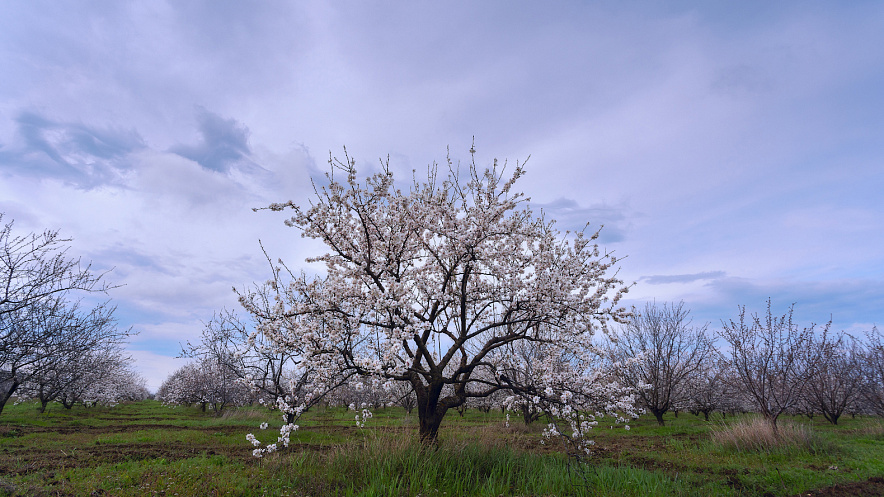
[(732, 150)]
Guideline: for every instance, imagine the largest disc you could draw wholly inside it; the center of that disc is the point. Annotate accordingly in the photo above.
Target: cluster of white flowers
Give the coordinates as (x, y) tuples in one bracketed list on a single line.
[(284, 433), (361, 417)]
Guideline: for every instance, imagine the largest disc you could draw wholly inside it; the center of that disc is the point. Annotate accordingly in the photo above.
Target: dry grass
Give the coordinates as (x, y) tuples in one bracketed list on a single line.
[(759, 435), (244, 414), (872, 429)]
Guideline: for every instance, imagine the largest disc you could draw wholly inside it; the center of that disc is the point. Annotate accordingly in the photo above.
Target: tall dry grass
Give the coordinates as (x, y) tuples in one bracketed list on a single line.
[(872, 429), (759, 435)]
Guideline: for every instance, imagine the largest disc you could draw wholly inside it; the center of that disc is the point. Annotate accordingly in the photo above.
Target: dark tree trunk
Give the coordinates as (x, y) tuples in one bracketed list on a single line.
[(658, 413), (44, 399), (429, 427), (832, 418), (529, 415), (430, 410), (773, 422), (5, 396)]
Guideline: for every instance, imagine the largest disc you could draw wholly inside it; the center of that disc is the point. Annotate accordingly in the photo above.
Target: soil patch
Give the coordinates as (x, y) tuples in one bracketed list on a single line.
[(873, 487)]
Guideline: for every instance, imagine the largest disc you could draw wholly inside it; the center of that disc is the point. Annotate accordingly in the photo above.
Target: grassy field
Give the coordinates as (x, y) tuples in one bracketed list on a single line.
[(149, 449)]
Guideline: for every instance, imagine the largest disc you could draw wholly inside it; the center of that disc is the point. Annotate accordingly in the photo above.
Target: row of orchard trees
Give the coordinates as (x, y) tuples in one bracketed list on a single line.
[(767, 364), (451, 293), (53, 347)]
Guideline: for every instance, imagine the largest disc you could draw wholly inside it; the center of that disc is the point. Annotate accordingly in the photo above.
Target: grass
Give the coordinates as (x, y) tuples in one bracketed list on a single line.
[(149, 449)]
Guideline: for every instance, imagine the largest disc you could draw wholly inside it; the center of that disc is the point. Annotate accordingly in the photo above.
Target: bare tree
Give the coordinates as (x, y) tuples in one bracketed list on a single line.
[(708, 389), (837, 381), (524, 364), (39, 322), (773, 359), (660, 351), (35, 267), (402, 394), (873, 371), (52, 346)]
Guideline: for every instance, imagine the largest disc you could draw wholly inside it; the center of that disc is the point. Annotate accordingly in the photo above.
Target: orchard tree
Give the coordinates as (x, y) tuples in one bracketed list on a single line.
[(35, 267), (873, 371), (44, 344), (105, 377), (772, 358), (205, 382), (837, 381), (183, 387), (661, 352), (74, 347), (277, 375), (429, 286), (708, 389), (39, 321)]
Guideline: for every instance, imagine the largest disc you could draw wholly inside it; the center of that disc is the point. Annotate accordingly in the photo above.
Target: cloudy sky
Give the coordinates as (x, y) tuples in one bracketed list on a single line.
[(733, 151)]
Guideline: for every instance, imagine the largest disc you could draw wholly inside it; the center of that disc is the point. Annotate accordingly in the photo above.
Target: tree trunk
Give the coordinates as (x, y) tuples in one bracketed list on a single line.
[(429, 428), (429, 410), (658, 413), (5, 396), (773, 422), (529, 415), (42, 399)]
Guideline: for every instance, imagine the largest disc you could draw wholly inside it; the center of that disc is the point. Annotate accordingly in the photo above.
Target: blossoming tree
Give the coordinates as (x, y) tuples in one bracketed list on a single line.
[(432, 285)]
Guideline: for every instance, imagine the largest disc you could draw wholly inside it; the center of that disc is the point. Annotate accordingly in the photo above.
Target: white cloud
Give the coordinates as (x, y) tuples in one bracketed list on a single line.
[(155, 368)]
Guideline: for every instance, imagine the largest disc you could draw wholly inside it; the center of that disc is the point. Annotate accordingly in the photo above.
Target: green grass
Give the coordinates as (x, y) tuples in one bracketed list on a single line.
[(149, 449)]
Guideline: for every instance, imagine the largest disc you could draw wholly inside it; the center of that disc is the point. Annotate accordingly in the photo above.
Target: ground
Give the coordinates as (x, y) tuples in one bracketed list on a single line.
[(150, 449)]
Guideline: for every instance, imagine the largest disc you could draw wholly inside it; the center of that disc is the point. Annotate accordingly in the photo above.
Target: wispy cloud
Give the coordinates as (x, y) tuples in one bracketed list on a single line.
[(662, 279), (83, 155), (571, 216), (224, 142)]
